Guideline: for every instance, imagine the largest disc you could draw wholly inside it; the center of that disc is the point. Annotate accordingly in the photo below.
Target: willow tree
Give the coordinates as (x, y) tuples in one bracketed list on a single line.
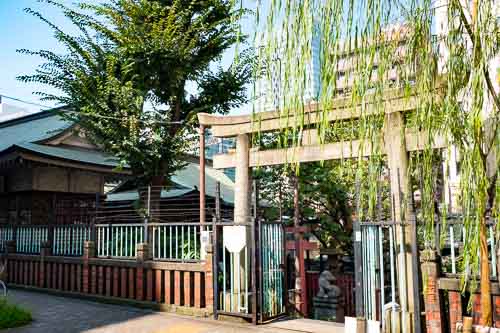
[(448, 52)]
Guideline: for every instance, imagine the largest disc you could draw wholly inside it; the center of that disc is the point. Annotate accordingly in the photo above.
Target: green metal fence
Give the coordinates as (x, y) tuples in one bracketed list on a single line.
[(273, 275), (172, 241), (68, 240), (6, 234), (119, 240), (29, 238)]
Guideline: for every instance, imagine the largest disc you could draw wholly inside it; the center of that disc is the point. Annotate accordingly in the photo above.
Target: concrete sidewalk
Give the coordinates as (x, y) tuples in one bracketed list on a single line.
[(62, 314)]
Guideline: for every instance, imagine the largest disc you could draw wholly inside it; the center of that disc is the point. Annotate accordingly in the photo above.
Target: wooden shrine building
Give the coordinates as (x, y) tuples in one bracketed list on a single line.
[(50, 173)]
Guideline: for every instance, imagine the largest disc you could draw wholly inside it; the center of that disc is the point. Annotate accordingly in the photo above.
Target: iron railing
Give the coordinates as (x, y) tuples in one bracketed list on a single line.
[(68, 240), (167, 241), (30, 238), (273, 276), (384, 268), (172, 241), (452, 239), (6, 234), (119, 240)]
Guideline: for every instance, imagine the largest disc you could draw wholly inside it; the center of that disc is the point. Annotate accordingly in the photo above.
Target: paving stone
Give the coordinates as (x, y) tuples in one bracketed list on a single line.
[(55, 314)]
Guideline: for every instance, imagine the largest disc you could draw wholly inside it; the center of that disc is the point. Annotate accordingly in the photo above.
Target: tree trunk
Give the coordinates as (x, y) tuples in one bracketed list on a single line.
[(486, 315), (155, 197)]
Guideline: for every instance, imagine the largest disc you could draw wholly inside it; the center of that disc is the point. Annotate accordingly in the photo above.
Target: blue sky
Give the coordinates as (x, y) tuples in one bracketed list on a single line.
[(20, 30)]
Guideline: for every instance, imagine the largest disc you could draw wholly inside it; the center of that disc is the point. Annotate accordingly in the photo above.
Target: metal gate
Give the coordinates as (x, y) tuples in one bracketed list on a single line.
[(249, 280), (234, 270), (381, 271), (249, 267), (272, 273)]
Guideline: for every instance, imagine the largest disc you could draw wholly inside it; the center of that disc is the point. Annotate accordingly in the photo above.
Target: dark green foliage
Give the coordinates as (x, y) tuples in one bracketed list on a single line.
[(12, 316), (127, 74), (325, 200)]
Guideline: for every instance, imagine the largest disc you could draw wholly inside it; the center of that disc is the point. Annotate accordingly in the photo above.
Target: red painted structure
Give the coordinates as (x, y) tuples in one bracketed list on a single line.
[(344, 281)]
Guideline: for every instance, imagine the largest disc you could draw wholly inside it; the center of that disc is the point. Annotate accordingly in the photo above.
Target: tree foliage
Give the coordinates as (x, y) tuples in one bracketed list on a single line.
[(137, 72)]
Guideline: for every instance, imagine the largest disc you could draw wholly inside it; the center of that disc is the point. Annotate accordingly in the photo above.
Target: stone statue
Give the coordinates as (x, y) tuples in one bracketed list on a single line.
[(328, 303), (327, 288)]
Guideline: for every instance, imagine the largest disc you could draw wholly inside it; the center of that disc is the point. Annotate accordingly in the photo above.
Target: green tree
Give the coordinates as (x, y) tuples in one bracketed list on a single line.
[(138, 72), (326, 202)]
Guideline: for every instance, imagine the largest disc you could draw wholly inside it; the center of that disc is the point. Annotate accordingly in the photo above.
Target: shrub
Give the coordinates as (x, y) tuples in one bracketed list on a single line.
[(12, 315)]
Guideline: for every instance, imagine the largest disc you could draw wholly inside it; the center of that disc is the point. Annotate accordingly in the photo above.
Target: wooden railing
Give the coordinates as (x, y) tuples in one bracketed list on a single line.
[(161, 285)]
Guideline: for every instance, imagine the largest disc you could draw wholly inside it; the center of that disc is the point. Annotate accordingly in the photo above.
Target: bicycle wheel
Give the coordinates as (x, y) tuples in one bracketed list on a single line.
[(3, 289)]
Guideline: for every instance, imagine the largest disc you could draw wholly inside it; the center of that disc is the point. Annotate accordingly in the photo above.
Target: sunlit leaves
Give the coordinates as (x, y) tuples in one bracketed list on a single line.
[(125, 75)]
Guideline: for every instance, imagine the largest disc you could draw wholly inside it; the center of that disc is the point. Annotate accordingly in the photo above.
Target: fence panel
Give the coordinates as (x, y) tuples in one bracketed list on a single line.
[(171, 241), (272, 245), (69, 239), (453, 237), (30, 238), (168, 241), (383, 270), (6, 234), (118, 240)]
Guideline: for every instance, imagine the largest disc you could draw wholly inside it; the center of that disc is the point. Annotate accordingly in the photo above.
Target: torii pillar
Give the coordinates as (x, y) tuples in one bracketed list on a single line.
[(242, 195), (397, 160), (242, 180)]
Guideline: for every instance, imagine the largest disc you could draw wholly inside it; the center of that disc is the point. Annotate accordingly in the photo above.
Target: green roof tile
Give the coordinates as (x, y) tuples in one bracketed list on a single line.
[(32, 128), (72, 154)]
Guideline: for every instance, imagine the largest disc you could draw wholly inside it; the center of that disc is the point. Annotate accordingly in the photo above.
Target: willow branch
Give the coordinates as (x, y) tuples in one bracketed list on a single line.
[(486, 73)]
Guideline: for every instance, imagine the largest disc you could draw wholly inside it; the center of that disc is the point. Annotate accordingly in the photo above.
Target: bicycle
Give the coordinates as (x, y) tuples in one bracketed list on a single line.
[(3, 286)]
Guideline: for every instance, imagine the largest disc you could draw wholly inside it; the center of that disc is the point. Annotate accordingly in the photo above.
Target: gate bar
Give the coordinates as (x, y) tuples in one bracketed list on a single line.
[(254, 251), (416, 273), (215, 274), (382, 282), (358, 271)]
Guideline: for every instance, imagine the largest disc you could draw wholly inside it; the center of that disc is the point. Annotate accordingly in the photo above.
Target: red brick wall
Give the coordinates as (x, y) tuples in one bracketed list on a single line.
[(476, 309), (434, 318), (455, 303)]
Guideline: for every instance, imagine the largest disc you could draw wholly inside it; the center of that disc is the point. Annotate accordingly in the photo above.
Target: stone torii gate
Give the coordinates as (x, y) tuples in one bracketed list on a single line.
[(398, 141)]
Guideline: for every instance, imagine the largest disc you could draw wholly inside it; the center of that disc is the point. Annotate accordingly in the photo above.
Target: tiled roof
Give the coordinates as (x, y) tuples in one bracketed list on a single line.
[(188, 181), (72, 154), (32, 128), (133, 195), (189, 176)]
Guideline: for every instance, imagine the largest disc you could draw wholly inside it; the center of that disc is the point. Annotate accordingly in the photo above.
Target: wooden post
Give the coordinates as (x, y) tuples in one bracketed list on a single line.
[(202, 174), (88, 252)]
